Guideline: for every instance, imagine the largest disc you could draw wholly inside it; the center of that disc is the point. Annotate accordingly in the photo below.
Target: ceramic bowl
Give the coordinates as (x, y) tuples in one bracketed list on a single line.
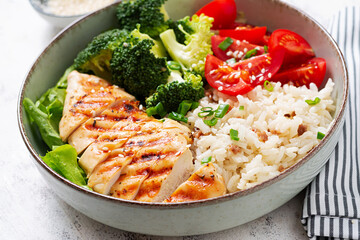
[(196, 217)]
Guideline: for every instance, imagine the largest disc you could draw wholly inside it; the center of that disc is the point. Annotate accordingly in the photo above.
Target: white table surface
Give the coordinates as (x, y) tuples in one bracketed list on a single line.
[(29, 209)]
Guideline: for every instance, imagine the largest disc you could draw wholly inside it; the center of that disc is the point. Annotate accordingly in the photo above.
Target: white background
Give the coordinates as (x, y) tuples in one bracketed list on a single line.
[(29, 209)]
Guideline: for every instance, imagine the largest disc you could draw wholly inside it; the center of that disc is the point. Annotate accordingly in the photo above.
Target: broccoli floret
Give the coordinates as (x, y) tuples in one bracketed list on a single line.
[(150, 14), (139, 65), (197, 45), (95, 58), (179, 88), (181, 29)]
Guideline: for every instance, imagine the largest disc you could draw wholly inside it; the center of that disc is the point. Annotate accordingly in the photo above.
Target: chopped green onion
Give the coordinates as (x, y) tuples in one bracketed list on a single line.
[(311, 102), (184, 107), (268, 86), (174, 65), (162, 120), (234, 134), (250, 53), (211, 122), (266, 49), (206, 109), (226, 44), (206, 160), (205, 114), (231, 61), (194, 105), (160, 110), (151, 111), (320, 135), (241, 108), (178, 117), (221, 110)]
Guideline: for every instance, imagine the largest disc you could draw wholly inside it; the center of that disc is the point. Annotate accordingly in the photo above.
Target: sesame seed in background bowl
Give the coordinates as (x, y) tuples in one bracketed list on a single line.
[(61, 13)]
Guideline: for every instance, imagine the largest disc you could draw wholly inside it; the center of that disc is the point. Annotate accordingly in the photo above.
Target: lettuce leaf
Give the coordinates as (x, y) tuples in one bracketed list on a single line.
[(48, 132), (63, 160)]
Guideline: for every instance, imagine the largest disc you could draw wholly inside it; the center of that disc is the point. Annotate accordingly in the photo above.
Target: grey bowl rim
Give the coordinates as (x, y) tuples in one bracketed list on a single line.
[(198, 203)]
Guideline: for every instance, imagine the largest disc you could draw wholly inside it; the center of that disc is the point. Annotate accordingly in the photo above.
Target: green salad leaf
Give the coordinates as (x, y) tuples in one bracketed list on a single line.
[(63, 160), (49, 134)]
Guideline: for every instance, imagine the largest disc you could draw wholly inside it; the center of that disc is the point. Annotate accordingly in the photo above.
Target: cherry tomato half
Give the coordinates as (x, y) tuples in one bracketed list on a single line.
[(252, 35), (312, 71), (226, 79), (238, 47), (263, 67), (297, 49), (223, 11)]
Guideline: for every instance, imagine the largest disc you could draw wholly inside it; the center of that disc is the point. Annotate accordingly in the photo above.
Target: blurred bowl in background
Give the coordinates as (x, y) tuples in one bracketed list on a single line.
[(60, 20)]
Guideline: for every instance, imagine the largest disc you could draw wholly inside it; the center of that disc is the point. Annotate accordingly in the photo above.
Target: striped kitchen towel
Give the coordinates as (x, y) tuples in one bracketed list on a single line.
[(332, 202)]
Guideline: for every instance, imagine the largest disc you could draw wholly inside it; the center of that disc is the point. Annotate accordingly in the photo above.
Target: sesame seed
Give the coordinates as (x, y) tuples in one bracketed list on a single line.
[(316, 66), (193, 65), (212, 72), (92, 90), (245, 49), (102, 89), (249, 65), (257, 48), (220, 88), (229, 53), (253, 77), (238, 42), (96, 81), (92, 112), (105, 149), (245, 41), (236, 52), (269, 75), (125, 44), (261, 78), (189, 145), (120, 155), (263, 70), (240, 54), (141, 107)]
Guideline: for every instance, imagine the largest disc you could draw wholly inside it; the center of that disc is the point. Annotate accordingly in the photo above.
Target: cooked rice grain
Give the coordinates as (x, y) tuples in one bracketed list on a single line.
[(269, 136)]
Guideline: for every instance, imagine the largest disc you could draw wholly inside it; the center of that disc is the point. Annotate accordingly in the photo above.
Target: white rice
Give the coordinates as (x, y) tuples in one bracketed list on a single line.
[(278, 114)]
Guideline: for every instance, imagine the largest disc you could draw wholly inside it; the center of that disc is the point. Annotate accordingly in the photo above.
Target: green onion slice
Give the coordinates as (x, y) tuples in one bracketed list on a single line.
[(206, 160), (221, 110), (205, 114), (184, 107), (241, 108), (174, 65), (250, 53), (206, 109), (178, 117), (311, 102), (226, 44), (211, 122), (234, 134), (320, 135), (266, 49), (231, 61), (160, 110), (268, 86), (151, 111)]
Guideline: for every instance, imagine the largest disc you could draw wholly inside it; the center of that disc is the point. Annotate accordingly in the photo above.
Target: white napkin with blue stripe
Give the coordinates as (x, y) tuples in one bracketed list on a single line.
[(332, 202)]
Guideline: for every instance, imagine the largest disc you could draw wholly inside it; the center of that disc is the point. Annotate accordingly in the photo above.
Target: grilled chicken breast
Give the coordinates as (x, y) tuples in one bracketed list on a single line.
[(149, 148), (86, 96), (204, 183), (94, 127), (126, 153), (162, 161)]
